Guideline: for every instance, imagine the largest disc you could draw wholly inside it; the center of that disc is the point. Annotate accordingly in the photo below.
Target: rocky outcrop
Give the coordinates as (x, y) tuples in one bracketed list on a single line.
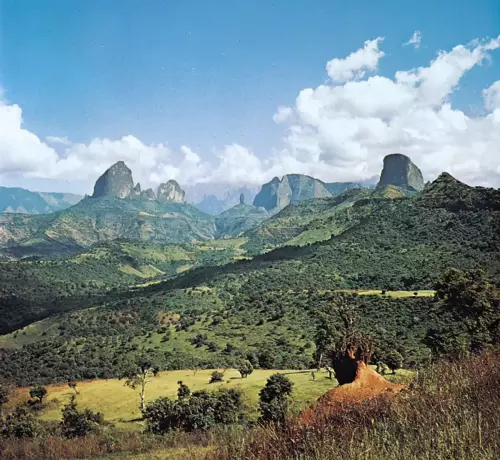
[(148, 194), (117, 181), (137, 190), (170, 192), (292, 188), (242, 198), (400, 171)]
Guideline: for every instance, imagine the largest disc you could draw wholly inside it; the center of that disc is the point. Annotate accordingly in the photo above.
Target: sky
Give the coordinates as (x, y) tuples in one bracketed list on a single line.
[(236, 92)]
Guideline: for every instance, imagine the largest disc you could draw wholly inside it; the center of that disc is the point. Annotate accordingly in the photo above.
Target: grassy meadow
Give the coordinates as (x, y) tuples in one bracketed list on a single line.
[(119, 404)]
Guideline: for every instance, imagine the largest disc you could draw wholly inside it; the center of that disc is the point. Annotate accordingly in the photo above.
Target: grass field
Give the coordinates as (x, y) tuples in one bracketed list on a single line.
[(119, 403)]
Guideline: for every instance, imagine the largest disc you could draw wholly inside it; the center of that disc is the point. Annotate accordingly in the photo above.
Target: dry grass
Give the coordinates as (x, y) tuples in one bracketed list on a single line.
[(451, 412)]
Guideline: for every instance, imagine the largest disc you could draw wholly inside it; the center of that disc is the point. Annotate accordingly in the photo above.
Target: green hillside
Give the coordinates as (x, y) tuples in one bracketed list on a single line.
[(266, 309), (95, 220), (31, 290)]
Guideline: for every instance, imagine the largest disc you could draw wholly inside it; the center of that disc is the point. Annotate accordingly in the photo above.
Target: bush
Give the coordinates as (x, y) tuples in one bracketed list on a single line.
[(273, 399), (245, 369), (38, 393), (200, 411), (216, 377), (21, 423), (77, 423)]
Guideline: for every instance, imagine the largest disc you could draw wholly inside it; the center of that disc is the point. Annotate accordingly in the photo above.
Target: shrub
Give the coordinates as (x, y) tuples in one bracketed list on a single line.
[(245, 369), (21, 423), (216, 377), (77, 423), (38, 393), (273, 399), (200, 411)]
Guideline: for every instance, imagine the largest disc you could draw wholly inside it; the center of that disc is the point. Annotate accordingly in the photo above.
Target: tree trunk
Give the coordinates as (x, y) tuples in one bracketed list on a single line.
[(143, 396)]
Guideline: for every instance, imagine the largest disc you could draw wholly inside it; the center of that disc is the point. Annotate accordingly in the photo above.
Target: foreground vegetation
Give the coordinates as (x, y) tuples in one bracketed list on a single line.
[(448, 411)]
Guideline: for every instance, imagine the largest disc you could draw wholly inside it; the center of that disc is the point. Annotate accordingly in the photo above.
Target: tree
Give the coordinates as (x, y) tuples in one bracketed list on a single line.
[(470, 312), (201, 410), (216, 377), (341, 343), (72, 385), (139, 375), (21, 423), (4, 396), (393, 360), (183, 391), (274, 399), (38, 393), (77, 423), (245, 369)]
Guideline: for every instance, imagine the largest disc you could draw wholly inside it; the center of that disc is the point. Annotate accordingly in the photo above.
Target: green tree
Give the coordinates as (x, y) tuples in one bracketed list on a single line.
[(339, 342), (470, 313), (139, 375), (77, 423), (245, 368), (393, 360), (21, 423), (38, 393), (183, 391), (216, 377), (274, 399), (4, 397)]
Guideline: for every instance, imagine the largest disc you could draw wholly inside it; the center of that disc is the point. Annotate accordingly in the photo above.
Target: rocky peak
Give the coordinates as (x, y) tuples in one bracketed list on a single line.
[(149, 194), (137, 189), (242, 198), (171, 192), (117, 181), (400, 171), (292, 188)]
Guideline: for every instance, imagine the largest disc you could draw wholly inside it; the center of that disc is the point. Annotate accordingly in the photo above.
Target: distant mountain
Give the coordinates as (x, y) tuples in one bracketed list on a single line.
[(400, 171), (19, 200), (216, 198), (294, 188), (116, 210), (238, 219)]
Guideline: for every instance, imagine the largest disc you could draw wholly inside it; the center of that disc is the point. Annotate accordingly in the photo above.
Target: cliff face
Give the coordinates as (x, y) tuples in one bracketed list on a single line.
[(117, 181), (170, 192), (400, 171), (293, 188)]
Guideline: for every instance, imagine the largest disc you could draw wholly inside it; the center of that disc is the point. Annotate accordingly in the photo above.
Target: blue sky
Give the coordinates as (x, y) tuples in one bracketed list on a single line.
[(209, 74)]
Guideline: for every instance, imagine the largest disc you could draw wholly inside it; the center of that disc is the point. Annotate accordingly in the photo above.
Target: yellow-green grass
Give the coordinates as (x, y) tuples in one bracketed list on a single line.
[(393, 294), (28, 334), (119, 404)]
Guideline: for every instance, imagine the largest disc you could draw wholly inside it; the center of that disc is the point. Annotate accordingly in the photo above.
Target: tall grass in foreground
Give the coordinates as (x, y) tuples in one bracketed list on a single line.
[(451, 411)]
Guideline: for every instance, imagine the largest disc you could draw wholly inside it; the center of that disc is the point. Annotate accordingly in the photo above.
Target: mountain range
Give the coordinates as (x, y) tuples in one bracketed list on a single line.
[(19, 200), (210, 302)]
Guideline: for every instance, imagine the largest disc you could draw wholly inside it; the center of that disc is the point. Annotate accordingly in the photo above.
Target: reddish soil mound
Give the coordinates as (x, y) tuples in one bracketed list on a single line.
[(366, 385)]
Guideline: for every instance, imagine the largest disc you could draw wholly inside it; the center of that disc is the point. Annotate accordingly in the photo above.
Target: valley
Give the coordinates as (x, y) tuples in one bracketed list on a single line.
[(126, 276)]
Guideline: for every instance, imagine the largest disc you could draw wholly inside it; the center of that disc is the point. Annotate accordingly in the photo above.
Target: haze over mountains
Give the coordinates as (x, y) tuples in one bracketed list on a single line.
[(120, 209)]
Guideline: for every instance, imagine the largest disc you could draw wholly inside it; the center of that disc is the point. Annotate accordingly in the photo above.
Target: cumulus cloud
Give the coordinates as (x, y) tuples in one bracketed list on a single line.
[(415, 40), (357, 63), (58, 140), (338, 131), (347, 129), (491, 97)]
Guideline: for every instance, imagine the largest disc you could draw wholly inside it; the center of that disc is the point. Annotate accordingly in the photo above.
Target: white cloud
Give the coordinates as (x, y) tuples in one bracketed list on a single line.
[(348, 129), (283, 114), (357, 63), (338, 131), (491, 96), (415, 40), (58, 140)]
